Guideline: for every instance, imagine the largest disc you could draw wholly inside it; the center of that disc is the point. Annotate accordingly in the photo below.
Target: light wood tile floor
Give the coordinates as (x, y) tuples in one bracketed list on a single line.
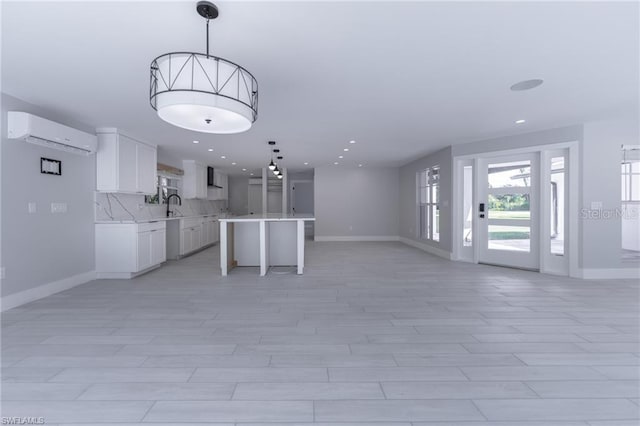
[(373, 334)]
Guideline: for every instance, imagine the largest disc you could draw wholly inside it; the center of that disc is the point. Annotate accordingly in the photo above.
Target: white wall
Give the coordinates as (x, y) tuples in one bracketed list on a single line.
[(43, 248), (356, 203)]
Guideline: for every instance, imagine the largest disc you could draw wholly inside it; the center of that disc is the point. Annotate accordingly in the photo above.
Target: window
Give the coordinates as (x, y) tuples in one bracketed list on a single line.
[(630, 213), (166, 185), (429, 204)]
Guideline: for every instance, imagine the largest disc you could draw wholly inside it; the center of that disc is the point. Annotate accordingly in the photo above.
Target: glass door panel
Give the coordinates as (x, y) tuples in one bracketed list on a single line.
[(506, 211)]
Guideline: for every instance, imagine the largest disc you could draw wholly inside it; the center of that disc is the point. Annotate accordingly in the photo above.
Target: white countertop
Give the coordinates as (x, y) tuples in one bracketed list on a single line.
[(157, 219), (268, 217)]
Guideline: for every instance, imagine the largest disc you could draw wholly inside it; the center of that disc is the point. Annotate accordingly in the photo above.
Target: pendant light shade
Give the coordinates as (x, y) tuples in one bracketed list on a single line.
[(272, 165), (280, 176), (202, 92), (276, 171)]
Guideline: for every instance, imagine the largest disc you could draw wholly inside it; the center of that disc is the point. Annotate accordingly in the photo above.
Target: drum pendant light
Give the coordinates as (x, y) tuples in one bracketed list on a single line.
[(202, 92)]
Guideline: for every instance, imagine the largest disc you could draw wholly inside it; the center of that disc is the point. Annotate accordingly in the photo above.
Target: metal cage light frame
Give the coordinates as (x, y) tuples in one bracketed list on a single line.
[(202, 92)]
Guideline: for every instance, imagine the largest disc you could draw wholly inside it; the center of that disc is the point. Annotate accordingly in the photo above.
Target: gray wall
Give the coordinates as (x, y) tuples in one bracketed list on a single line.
[(238, 195), (408, 192), (357, 202), (601, 156), (43, 247)]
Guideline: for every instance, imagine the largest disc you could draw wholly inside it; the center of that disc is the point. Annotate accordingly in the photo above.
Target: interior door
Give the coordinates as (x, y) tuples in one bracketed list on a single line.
[(507, 210), (302, 197)]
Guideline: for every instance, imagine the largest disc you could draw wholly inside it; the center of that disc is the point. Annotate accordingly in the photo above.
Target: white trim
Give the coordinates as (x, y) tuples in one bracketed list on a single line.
[(358, 238), (515, 151), (610, 273), (128, 275), (425, 247), (44, 290)]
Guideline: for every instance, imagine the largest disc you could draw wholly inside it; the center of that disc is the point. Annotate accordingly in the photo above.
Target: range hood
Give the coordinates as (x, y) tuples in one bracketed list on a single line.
[(211, 178)]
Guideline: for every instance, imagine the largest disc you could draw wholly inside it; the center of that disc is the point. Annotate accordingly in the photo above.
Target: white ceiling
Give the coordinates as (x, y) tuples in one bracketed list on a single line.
[(402, 79)]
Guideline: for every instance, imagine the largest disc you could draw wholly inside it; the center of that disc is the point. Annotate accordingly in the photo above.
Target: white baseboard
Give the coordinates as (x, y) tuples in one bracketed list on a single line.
[(127, 275), (425, 247), (610, 273), (358, 238), (44, 290)]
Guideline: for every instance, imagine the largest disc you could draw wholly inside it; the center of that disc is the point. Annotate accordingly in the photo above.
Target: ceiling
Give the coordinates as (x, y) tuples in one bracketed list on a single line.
[(401, 79)]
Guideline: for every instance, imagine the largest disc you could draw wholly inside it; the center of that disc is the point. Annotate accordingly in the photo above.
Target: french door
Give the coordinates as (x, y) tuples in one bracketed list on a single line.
[(506, 210)]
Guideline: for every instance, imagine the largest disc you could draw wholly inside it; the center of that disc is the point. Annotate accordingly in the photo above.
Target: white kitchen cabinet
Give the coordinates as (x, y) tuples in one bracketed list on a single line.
[(147, 175), (188, 235), (124, 164), (209, 231), (124, 250), (194, 181)]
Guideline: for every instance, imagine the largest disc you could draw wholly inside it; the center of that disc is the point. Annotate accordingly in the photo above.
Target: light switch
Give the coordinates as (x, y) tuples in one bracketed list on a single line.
[(32, 207), (58, 207)]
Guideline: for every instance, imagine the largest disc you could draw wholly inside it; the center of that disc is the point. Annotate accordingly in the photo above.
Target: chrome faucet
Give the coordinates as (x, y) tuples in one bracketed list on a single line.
[(169, 199)]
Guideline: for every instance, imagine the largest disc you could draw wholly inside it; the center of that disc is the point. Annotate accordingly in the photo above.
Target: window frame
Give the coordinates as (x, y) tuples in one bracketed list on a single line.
[(428, 204)]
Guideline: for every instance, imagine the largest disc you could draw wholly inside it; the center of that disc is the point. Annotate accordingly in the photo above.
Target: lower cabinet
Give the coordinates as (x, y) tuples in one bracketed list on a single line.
[(187, 235), (126, 250)]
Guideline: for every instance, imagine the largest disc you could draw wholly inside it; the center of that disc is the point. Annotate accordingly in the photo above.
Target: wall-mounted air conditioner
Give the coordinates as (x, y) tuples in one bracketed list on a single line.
[(37, 130)]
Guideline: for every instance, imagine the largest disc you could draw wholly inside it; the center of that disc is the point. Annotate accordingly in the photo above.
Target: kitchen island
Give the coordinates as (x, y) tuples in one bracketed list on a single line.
[(262, 240)]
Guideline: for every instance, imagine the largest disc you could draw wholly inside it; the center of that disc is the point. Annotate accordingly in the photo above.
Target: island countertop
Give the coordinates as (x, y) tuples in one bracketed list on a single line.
[(269, 217)]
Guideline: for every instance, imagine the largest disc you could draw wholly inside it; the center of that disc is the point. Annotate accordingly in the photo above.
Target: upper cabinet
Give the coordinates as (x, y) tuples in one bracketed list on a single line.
[(194, 181), (124, 164)]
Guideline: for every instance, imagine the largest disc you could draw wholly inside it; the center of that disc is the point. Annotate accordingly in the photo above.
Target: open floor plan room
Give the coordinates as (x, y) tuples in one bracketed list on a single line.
[(331, 213)]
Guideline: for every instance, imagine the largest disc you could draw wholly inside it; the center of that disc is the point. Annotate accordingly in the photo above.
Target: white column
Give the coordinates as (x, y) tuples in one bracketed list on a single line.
[(265, 184), (223, 248), (285, 191), (264, 248), (300, 241)]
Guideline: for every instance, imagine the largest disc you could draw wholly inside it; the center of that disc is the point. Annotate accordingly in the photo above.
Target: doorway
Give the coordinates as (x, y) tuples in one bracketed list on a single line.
[(512, 208), (507, 211)]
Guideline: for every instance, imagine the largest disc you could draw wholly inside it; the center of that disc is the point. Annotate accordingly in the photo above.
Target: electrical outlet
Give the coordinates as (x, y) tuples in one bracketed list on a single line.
[(31, 207), (58, 207)]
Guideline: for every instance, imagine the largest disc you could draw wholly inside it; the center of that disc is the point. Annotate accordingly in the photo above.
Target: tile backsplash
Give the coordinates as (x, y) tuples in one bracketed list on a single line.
[(109, 206)]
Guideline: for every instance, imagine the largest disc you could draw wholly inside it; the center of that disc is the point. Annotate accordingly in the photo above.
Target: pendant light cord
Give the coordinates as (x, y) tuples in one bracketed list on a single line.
[(207, 38)]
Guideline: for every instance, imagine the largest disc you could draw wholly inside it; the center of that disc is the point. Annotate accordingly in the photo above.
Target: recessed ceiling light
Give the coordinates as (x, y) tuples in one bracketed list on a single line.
[(196, 141), (520, 121), (336, 163), (527, 85), (244, 170), (352, 141), (210, 150), (306, 164), (233, 164), (251, 174), (223, 157), (340, 156), (346, 149), (359, 165)]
